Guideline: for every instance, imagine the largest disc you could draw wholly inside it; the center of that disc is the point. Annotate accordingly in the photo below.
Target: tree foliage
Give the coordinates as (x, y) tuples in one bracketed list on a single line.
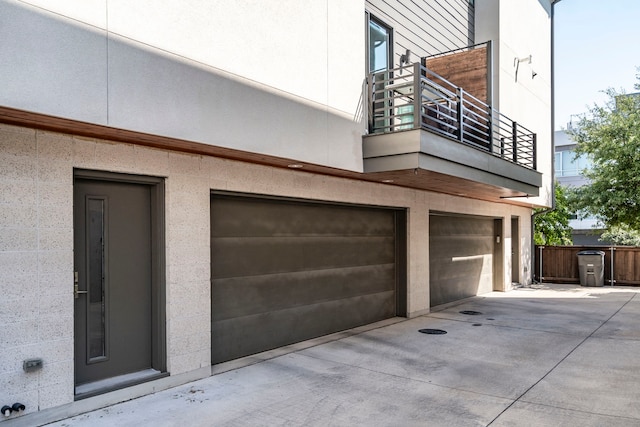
[(621, 235), (610, 136), (552, 228)]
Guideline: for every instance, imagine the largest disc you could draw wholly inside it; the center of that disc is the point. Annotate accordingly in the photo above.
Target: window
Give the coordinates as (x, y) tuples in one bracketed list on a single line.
[(567, 164), (379, 61), (379, 40)]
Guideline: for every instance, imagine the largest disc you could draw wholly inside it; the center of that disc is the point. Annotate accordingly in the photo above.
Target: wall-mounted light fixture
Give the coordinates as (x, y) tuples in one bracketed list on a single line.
[(405, 58), (517, 61)]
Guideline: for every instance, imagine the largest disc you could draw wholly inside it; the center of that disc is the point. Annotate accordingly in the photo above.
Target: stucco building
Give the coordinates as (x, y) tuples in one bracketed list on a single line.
[(187, 183)]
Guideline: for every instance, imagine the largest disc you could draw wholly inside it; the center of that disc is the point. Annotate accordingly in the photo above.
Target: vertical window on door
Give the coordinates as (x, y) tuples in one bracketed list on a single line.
[(96, 307)]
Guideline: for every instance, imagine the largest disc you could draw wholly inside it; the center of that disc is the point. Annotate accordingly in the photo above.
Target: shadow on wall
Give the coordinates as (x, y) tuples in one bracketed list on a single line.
[(64, 68)]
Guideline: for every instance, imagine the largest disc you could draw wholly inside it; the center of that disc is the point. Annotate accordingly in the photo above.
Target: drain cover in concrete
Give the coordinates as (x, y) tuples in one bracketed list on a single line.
[(433, 331), (470, 312)]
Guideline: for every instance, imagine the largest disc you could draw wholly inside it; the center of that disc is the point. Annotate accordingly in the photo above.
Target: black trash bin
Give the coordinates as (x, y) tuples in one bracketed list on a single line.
[(591, 268)]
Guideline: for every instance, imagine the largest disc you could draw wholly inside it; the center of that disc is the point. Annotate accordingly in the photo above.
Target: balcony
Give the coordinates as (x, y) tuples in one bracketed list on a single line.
[(425, 132)]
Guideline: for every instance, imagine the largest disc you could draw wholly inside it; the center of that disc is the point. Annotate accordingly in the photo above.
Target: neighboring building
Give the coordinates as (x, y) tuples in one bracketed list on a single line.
[(568, 170), (186, 183)]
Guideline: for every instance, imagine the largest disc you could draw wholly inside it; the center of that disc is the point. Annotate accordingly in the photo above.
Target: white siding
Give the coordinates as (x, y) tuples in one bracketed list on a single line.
[(426, 27)]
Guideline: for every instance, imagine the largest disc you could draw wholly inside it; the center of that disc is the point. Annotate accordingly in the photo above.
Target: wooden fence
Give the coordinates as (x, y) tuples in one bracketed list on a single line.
[(559, 264)]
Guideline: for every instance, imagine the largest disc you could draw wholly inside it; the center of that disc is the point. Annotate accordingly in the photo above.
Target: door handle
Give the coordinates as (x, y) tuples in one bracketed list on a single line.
[(76, 291)]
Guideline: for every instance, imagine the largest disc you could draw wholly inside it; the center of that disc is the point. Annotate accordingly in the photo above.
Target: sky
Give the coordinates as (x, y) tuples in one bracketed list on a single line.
[(597, 46)]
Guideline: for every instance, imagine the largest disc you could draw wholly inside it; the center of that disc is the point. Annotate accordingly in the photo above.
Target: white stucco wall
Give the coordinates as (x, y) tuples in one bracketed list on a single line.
[(311, 49), (281, 78), (519, 29)]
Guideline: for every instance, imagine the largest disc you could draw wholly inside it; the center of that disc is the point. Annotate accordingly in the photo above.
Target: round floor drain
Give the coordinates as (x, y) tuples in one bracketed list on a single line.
[(477, 324), (432, 331), (470, 312)]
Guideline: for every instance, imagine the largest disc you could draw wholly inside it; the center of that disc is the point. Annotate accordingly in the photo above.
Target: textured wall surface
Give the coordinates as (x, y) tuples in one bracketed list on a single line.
[(36, 244)]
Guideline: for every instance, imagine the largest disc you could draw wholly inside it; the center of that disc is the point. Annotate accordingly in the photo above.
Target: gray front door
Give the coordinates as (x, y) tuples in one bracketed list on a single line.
[(113, 290)]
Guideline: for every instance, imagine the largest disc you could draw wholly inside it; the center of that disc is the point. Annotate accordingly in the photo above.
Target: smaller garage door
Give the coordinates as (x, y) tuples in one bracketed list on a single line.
[(287, 271), (461, 257)]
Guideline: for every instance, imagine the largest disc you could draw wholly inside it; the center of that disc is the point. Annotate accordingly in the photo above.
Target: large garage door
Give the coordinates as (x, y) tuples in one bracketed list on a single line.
[(461, 257), (287, 271)]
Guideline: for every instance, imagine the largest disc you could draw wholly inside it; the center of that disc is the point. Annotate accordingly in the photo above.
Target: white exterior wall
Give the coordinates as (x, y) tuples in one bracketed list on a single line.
[(36, 245), (280, 78), (519, 29), (268, 77)]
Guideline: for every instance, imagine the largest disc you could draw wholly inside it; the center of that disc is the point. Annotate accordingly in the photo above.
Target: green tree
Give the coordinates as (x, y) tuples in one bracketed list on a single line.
[(621, 235), (610, 136), (552, 228)]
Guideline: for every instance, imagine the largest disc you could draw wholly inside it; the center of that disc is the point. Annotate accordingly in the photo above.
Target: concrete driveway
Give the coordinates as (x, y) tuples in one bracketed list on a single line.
[(558, 355)]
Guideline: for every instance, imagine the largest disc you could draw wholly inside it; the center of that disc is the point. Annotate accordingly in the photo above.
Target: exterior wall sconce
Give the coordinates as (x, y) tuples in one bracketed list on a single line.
[(405, 58), (527, 59)]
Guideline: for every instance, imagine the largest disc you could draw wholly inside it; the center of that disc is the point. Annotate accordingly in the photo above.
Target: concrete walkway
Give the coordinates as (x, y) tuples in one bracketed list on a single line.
[(552, 355)]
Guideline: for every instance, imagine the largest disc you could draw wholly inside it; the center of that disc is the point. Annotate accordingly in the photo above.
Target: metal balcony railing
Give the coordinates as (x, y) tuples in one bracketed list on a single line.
[(414, 97)]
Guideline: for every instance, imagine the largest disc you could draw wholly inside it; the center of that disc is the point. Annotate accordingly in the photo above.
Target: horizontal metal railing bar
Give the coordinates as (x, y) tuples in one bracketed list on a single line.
[(476, 100), (452, 129), (445, 113), (438, 89), (475, 119), (476, 111), (443, 121)]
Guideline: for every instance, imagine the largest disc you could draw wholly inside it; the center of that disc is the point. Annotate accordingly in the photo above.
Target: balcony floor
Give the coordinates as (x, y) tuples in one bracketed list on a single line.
[(428, 161)]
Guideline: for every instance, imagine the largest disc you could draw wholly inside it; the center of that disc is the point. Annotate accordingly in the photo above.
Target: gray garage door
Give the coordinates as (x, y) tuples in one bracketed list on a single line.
[(461, 256), (287, 271)]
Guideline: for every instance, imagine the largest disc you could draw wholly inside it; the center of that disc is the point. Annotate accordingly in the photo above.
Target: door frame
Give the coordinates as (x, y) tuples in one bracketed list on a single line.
[(158, 262)]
